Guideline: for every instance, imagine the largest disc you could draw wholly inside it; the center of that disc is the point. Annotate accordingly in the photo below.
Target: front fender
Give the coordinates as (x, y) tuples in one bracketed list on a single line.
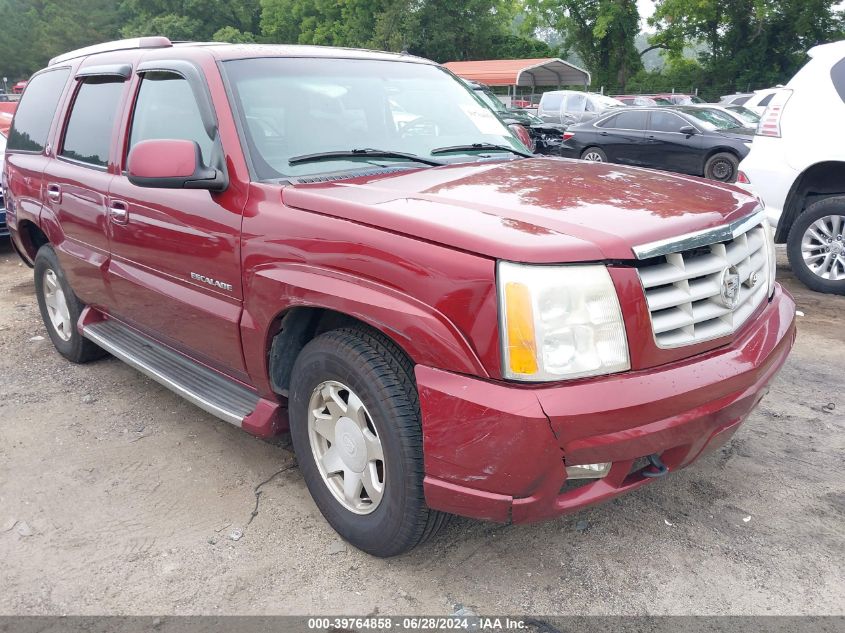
[(426, 335)]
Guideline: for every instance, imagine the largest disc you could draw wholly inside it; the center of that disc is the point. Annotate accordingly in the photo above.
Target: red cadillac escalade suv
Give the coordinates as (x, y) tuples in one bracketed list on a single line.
[(351, 246)]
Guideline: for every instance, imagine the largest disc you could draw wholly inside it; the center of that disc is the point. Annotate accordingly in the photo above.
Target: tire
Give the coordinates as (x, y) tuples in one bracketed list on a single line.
[(352, 362), (596, 155), (721, 167), (56, 296), (819, 269)]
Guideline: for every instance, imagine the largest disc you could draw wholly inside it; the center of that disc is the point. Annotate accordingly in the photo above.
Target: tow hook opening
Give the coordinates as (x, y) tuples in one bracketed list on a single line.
[(661, 469)]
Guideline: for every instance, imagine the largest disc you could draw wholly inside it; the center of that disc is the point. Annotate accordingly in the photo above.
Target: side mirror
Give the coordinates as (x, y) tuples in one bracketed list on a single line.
[(523, 135), (689, 130), (172, 164)]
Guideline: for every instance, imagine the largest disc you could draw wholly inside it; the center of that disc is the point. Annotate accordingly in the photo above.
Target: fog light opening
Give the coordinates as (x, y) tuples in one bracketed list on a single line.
[(588, 471)]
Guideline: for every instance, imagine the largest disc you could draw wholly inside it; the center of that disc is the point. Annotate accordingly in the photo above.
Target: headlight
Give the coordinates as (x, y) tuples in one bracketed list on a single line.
[(769, 234), (559, 322)]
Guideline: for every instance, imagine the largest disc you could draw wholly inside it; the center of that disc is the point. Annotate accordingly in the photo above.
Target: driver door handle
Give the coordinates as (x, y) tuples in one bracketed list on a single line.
[(118, 212), (54, 192)]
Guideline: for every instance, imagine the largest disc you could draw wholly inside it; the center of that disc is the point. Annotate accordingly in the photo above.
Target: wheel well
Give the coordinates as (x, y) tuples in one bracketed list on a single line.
[(295, 328), (822, 180), (720, 150), (32, 238)]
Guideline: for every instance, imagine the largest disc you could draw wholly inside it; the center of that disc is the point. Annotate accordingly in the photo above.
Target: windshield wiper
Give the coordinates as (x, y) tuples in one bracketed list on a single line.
[(479, 146), (362, 153)]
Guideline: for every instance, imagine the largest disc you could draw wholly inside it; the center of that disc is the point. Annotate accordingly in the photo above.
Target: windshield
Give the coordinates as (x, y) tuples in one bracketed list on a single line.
[(294, 107), (491, 100), (750, 117), (711, 120)]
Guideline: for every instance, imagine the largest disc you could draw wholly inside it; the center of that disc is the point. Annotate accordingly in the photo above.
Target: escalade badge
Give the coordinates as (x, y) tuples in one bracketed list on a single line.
[(729, 287), (212, 282)]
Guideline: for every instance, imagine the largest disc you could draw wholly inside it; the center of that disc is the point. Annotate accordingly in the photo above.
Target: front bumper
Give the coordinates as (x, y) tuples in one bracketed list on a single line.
[(498, 451)]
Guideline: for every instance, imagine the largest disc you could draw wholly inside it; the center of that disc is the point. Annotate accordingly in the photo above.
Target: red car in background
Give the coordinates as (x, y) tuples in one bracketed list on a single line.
[(19, 87), (7, 113)]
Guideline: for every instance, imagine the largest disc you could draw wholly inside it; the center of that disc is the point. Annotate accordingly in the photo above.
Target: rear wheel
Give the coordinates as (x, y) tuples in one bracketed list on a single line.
[(60, 309), (816, 246), (722, 167), (594, 155), (355, 426)]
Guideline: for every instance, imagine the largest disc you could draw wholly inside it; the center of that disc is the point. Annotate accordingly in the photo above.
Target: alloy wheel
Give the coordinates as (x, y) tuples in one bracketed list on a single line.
[(823, 247), (346, 446), (57, 307), (593, 157), (722, 170)]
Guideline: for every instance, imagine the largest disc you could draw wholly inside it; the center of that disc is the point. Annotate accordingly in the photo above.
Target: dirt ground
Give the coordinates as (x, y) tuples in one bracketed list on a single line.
[(117, 497)]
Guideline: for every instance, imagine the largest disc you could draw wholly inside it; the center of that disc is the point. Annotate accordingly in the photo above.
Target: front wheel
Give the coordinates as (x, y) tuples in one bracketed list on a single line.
[(722, 167), (355, 426), (816, 246)]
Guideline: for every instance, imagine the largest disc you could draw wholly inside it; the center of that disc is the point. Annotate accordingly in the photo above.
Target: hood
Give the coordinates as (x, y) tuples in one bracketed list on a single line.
[(541, 210), (744, 134)]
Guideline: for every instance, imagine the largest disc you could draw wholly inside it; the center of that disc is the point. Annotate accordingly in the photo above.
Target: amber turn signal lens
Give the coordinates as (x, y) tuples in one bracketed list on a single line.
[(521, 342)]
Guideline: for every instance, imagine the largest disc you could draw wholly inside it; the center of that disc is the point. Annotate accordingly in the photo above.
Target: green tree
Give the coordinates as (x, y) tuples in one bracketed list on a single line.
[(36, 30), (749, 43), (187, 19), (600, 32)]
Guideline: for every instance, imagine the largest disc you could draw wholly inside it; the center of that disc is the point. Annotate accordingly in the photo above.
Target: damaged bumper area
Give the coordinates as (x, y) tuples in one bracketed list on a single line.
[(499, 451)]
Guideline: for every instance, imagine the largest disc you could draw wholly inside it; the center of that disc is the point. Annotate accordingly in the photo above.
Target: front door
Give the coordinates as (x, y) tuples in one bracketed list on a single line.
[(666, 147), (175, 269), (77, 183)]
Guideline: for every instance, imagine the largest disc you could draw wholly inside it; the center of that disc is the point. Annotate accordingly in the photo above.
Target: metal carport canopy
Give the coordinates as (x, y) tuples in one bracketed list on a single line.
[(521, 72)]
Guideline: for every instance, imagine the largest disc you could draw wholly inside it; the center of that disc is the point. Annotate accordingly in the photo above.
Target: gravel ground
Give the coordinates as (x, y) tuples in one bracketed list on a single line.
[(117, 497)]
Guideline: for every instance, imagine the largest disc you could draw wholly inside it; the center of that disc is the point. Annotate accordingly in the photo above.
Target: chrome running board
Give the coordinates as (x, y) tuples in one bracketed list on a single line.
[(210, 391)]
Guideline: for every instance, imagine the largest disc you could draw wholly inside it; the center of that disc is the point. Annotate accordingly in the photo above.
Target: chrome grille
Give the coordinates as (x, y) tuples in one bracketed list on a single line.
[(688, 290)]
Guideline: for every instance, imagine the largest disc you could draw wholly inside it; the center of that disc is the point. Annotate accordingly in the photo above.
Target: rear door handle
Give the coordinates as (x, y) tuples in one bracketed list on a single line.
[(54, 192), (118, 212)]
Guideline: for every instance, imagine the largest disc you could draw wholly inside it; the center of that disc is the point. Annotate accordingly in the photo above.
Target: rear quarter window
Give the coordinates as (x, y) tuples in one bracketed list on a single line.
[(837, 76), (36, 111)]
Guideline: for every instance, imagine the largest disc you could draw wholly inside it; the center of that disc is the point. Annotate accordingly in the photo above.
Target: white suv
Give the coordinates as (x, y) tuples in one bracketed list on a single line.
[(797, 167)]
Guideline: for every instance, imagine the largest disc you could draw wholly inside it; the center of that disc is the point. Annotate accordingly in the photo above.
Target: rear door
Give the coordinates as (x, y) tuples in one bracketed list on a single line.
[(667, 148), (27, 150), (170, 245), (77, 180), (622, 137)]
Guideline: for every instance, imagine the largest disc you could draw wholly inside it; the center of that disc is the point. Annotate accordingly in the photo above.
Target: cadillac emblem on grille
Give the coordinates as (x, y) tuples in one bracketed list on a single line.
[(729, 287)]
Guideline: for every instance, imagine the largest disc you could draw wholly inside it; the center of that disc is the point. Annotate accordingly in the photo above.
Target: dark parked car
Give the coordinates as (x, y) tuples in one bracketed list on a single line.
[(546, 137), (682, 139)]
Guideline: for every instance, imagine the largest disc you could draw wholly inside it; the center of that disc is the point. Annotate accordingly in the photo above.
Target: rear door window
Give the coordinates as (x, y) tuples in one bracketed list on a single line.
[(633, 120), (36, 111), (575, 103), (91, 121)]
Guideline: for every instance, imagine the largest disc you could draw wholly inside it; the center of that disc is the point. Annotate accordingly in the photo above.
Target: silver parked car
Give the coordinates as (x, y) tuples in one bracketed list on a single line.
[(567, 107)]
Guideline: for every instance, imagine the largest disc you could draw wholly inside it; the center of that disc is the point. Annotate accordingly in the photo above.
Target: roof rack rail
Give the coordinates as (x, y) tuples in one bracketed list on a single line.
[(117, 45)]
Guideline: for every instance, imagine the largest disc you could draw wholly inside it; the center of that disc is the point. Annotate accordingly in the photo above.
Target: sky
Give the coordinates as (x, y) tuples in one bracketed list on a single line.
[(646, 8)]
